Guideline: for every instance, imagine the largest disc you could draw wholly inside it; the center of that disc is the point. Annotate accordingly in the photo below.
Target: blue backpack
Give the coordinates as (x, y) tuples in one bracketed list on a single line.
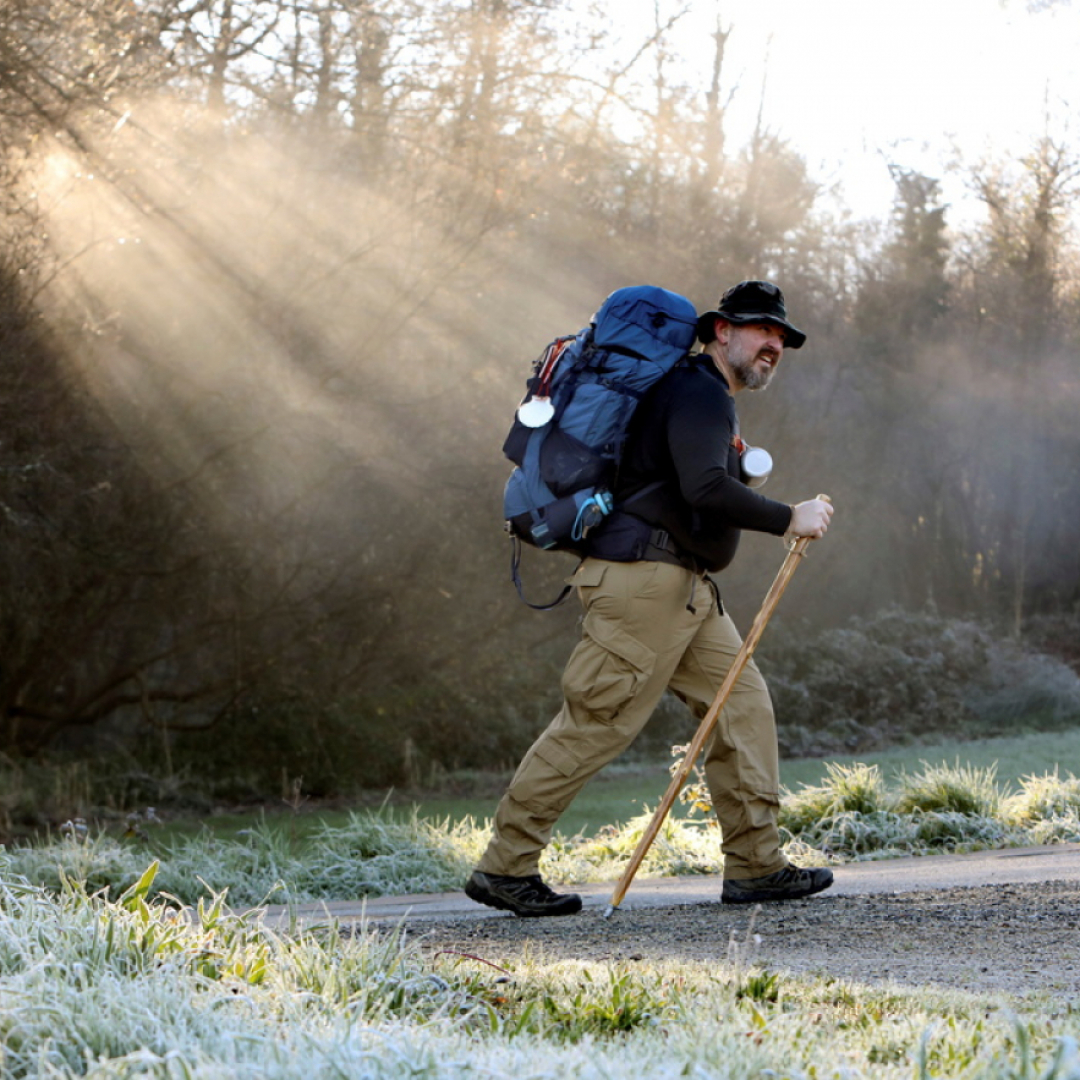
[(570, 428)]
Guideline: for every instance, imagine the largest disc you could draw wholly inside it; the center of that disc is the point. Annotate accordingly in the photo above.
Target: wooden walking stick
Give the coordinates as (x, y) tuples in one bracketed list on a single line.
[(796, 550)]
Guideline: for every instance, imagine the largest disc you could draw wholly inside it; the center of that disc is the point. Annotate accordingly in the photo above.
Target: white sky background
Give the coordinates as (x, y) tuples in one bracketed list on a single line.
[(855, 84)]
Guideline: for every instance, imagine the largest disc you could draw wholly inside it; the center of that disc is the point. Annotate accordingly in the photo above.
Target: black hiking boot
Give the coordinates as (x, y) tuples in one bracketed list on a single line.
[(528, 897), (791, 883)]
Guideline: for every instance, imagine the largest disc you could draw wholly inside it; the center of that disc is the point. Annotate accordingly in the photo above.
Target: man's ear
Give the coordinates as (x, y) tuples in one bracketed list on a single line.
[(722, 329)]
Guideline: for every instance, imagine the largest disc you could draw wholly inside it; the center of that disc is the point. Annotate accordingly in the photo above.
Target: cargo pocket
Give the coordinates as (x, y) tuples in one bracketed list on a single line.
[(558, 757), (588, 573), (607, 669), (586, 578)]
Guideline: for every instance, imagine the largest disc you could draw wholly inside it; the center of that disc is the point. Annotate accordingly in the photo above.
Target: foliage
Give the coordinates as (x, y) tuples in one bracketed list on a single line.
[(894, 678), (73, 967), (899, 675), (258, 264), (373, 855), (625, 1004), (679, 848)]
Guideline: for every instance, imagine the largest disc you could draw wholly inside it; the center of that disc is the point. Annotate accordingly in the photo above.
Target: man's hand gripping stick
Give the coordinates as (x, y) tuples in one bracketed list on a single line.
[(796, 550)]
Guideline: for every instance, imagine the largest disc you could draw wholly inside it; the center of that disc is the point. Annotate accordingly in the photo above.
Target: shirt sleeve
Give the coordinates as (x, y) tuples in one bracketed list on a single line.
[(700, 429)]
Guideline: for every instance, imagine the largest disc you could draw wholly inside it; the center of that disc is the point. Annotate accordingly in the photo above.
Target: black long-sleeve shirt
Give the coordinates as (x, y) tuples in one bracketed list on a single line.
[(681, 462)]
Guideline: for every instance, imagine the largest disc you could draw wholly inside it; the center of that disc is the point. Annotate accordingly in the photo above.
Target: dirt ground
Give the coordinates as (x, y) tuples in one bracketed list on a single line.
[(1019, 939)]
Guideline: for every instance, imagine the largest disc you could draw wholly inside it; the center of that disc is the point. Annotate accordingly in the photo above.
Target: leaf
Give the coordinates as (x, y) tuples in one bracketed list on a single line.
[(135, 897)]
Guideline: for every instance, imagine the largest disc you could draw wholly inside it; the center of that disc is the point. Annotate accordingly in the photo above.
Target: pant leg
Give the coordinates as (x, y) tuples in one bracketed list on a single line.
[(742, 766), (636, 628)]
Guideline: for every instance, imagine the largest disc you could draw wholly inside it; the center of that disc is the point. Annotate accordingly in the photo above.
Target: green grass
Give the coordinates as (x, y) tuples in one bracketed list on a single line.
[(619, 794), (614, 797), (1014, 757)]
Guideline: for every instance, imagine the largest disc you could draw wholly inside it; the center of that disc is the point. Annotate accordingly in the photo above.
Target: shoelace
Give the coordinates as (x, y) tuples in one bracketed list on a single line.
[(535, 889)]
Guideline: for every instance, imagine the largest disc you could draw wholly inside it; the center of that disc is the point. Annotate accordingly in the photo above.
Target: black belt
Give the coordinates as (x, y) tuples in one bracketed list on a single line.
[(661, 548)]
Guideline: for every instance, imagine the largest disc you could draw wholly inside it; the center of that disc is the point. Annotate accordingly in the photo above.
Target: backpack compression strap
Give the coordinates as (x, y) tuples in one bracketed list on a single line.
[(515, 576)]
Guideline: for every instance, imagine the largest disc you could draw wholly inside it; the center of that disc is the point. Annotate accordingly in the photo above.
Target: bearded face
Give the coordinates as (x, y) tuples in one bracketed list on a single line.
[(753, 352)]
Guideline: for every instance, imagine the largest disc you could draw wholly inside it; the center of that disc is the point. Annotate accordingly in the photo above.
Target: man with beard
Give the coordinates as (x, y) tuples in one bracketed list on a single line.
[(654, 620)]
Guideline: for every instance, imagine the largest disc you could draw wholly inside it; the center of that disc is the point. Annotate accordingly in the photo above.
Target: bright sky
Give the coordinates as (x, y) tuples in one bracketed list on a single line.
[(855, 83)]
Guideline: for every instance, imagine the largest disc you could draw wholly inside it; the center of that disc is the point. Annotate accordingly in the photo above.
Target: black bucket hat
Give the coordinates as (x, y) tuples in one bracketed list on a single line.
[(751, 302)]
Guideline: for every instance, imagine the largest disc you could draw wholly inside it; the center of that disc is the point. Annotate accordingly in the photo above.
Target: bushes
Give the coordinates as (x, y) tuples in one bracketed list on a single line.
[(409, 737), (896, 678), (854, 814), (893, 678), (899, 676)]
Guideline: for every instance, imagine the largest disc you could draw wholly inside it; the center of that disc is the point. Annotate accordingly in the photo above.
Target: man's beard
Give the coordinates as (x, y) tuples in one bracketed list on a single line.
[(749, 374)]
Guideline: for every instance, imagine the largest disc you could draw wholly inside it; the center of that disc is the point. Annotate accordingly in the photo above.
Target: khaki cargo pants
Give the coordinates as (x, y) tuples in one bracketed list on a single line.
[(638, 639)]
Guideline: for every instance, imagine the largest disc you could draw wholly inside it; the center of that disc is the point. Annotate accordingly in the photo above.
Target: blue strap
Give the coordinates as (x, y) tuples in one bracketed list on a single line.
[(589, 513)]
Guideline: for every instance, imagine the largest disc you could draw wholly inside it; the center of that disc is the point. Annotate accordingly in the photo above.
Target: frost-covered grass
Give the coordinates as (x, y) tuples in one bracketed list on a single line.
[(371, 855), (116, 961), (853, 814), (138, 988)]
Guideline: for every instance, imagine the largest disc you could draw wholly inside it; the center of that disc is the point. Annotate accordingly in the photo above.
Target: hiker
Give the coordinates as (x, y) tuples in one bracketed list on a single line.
[(654, 620)]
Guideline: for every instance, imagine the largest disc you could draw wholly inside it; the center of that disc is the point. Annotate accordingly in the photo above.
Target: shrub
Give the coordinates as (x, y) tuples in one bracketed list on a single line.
[(901, 675), (1023, 688), (1056, 635), (405, 738)]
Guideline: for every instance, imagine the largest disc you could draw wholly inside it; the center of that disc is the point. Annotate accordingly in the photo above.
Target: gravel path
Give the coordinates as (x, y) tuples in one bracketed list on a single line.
[(1018, 939)]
